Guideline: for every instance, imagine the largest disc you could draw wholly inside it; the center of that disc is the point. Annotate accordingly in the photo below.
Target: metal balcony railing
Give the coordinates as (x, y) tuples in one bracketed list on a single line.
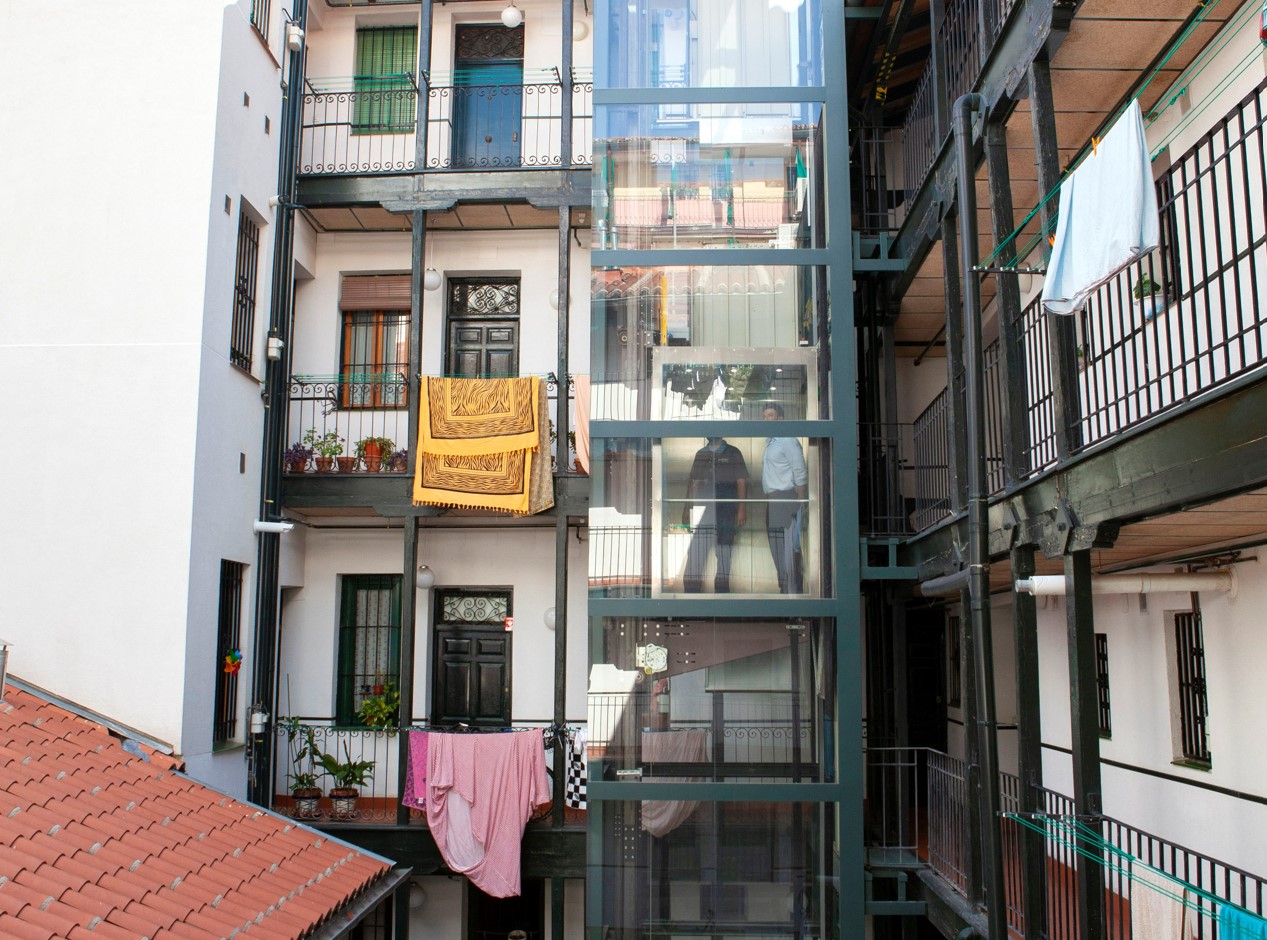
[(884, 475), (378, 800), (1185, 320), (371, 126), (916, 811), (343, 412)]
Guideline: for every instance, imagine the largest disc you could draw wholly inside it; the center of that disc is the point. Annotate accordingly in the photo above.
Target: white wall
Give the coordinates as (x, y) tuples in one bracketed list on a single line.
[(111, 260), (1236, 660), (521, 558)]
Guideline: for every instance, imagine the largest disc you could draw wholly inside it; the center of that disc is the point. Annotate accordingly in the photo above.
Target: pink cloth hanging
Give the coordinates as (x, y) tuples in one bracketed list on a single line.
[(582, 413), (416, 775), (481, 791)]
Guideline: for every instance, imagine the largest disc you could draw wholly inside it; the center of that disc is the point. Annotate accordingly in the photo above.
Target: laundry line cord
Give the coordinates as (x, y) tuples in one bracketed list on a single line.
[(1176, 45)]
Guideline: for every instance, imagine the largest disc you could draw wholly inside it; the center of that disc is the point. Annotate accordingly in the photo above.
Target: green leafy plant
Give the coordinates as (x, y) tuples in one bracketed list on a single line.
[(347, 774), (1145, 287), (380, 711), (385, 444), (326, 445), (303, 755)]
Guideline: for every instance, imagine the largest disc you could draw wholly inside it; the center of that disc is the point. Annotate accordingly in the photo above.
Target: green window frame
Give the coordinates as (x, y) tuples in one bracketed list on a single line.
[(369, 641), (386, 99)]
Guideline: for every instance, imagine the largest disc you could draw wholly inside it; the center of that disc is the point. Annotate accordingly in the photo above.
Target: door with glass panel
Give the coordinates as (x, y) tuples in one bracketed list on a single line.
[(471, 680), (483, 327)]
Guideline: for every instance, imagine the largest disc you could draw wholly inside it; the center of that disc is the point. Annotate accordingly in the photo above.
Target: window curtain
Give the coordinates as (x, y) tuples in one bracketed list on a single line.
[(386, 101)]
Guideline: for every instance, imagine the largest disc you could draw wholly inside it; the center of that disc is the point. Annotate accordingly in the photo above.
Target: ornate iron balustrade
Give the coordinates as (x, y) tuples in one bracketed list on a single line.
[(494, 126), (920, 139), (361, 130), (347, 409), (378, 801)]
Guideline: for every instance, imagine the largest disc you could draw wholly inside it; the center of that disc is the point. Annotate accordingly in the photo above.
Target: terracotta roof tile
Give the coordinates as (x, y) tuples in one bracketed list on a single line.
[(98, 844)]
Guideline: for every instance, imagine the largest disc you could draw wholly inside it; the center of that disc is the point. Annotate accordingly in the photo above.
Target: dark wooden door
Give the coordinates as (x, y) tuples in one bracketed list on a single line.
[(483, 319), (472, 677)]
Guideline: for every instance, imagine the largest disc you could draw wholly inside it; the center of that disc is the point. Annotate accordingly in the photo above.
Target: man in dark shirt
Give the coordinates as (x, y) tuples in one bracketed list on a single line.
[(715, 491)]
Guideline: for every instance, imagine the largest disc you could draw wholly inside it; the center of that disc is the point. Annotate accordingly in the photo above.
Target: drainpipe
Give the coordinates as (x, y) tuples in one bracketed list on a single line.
[(978, 531), (276, 379), (1042, 585)]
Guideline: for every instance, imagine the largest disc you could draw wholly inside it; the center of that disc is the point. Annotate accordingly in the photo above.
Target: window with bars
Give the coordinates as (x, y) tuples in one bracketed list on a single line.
[(245, 275), (228, 636), (259, 17), (1102, 683), (385, 100), (1192, 741), (369, 641), (375, 358)]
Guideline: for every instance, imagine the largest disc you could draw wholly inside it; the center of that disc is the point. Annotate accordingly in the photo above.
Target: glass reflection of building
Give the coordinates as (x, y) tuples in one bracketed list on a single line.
[(724, 724)]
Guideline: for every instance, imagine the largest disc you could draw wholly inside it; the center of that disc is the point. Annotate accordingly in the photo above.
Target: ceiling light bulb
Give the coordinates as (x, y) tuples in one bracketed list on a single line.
[(512, 16), (580, 29), (431, 279)]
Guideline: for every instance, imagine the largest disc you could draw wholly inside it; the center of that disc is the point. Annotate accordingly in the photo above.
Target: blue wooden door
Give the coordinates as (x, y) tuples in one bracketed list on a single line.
[(488, 96)]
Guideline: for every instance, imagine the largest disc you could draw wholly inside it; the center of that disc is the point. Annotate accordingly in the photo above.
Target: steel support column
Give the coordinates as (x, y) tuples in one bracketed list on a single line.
[(971, 748), (957, 450), (424, 83), (566, 154), (1062, 338), (1085, 729), (1015, 397), (1028, 719)]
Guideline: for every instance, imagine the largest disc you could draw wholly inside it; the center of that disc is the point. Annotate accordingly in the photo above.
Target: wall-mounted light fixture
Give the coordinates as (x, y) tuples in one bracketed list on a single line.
[(425, 578), (554, 298), (549, 618), (431, 279), (512, 16), (580, 29)]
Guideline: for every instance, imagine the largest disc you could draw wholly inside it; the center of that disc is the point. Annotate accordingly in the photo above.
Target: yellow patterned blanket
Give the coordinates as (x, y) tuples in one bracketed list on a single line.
[(478, 416), (502, 462)]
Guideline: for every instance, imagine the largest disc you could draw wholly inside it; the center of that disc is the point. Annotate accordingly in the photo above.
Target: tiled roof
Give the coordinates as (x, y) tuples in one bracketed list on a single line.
[(98, 843)]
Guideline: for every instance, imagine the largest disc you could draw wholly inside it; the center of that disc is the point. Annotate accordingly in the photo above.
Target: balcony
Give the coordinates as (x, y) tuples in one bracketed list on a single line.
[(917, 818), (1186, 322), (348, 444), (369, 126)]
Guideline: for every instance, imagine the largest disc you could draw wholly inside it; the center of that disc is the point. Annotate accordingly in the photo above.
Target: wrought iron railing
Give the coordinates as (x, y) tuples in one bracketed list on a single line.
[(373, 129), (933, 497), (917, 812), (880, 184), (884, 476), (920, 139), (378, 799), (345, 411), (1186, 319)]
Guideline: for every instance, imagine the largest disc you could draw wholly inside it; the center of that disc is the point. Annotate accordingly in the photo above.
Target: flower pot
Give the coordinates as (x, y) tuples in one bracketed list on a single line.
[(373, 464), (346, 464), (324, 464), (307, 802), (343, 802), (296, 466)]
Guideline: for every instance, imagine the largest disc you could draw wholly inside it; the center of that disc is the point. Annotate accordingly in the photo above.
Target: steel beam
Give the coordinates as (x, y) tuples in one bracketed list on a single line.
[(958, 450), (1029, 722), (1084, 726), (440, 190)]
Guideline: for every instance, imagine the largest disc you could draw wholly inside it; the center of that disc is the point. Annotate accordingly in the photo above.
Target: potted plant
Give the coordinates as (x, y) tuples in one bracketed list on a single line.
[(400, 461), (372, 451), (348, 776), (328, 446), (1145, 291), (305, 787), (381, 708), (296, 458)]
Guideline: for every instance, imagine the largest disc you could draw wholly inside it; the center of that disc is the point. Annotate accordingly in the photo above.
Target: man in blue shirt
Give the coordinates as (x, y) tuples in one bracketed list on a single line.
[(784, 479), (719, 484)]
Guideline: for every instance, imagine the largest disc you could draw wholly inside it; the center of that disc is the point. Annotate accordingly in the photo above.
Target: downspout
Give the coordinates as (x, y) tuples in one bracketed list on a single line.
[(276, 375), (978, 531)]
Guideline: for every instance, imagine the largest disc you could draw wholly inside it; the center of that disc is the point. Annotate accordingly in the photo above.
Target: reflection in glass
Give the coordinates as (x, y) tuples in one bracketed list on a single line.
[(739, 516), (717, 176), (751, 870), (707, 342), (740, 701)]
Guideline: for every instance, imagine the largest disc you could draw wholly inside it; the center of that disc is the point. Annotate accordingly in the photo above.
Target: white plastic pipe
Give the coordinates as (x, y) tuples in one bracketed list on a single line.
[(1042, 585)]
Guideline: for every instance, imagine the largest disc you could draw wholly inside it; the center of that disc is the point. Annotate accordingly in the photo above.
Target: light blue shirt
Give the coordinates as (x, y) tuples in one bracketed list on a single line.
[(783, 465)]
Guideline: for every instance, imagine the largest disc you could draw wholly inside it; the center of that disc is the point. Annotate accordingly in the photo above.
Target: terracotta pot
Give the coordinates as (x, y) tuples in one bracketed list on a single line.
[(307, 802), (296, 466), (343, 802), (324, 464), (372, 464), (346, 464)]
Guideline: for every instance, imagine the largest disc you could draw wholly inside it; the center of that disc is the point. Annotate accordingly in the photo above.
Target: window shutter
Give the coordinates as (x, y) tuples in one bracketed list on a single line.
[(375, 292)]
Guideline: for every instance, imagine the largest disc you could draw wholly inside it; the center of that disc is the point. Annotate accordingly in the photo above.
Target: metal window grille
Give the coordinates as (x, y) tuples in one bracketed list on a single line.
[(244, 292), (459, 606), (375, 359), (1102, 683), (369, 640), (1190, 672), (259, 16), (376, 926), (228, 633)]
